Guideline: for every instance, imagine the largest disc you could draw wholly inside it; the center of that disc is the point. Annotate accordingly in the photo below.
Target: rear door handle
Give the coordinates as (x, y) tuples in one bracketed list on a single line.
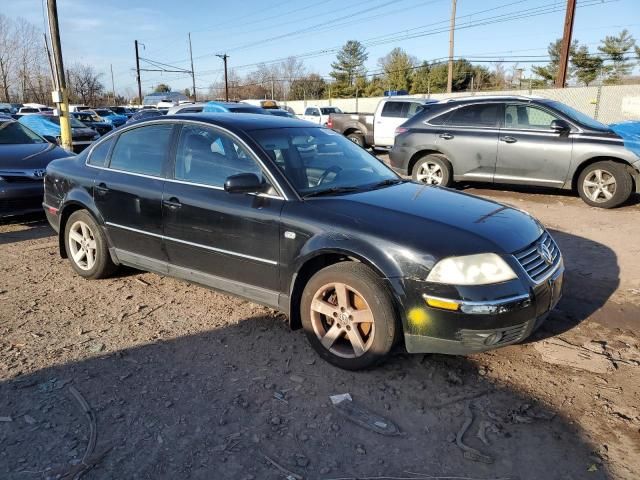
[(446, 136), (173, 203), (101, 189), (508, 139)]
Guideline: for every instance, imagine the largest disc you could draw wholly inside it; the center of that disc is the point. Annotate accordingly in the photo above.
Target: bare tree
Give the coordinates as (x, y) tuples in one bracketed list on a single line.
[(7, 55), (85, 84)]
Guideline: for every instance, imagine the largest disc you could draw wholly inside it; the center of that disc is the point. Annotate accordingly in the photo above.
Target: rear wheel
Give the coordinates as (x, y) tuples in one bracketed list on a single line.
[(433, 169), (87, 246), (356, 138), (348, 316), (605, 184)]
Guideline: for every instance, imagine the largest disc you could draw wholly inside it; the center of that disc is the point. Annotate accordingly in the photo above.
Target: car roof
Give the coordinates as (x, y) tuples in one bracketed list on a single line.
[(489, 98), (243, 121)]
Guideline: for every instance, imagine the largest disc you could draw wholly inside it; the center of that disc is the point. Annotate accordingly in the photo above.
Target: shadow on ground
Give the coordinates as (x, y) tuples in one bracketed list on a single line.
[(33, 227), (203, 406)]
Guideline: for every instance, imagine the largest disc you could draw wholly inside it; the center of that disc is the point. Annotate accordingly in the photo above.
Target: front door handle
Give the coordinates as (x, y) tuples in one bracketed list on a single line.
[(508, 139), (173, 203), (446, 136), (101, 189)]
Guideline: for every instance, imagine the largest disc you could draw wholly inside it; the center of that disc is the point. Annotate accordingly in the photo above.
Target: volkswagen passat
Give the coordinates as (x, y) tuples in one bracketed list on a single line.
[(296, 217)]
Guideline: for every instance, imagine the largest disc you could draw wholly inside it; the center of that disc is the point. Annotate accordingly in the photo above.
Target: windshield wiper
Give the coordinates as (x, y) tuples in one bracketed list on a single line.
[(331, 191), (387, 182)]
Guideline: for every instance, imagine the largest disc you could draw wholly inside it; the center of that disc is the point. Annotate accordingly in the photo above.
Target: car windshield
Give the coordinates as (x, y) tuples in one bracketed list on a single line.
[(579, 117), (329, 110), (75, 123), (318, 161), (12, 133), (104, 112), (118, 110)]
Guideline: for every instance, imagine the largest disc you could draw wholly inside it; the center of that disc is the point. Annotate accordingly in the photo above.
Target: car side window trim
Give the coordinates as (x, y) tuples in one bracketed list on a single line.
[(275, 183)]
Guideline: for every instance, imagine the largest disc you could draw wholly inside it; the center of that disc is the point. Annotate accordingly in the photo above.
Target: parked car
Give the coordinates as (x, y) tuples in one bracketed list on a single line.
[(93, 121), (186, 108), (517, 140), (48, 126), (144, 114), (78, 108), (266, 104), (299, 218), (24, 155), (319, 115), (16, 107), (231, 107), (29, 110), (377, 130), (124, 111), (110, 117), (6, 108)]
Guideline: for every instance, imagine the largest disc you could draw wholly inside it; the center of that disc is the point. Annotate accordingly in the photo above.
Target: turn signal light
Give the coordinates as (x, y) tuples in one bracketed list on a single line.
[(440, 303)]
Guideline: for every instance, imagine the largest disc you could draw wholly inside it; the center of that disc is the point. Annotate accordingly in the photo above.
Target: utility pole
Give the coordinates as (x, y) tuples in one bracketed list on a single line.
[(452, 28), (113, 86), (272, 87), (61, 95), (193, 73), (561, 79), (54, 80), (138, 74), (226, 78)]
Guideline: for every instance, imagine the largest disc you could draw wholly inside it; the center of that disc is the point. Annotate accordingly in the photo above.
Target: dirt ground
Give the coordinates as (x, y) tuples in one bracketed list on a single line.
[(187, 383)]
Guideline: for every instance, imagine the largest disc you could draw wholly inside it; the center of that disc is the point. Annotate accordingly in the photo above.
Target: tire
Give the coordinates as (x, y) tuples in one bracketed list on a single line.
[(357, 138), (433, 169), (340, 336), (605, 184), (86, 246)]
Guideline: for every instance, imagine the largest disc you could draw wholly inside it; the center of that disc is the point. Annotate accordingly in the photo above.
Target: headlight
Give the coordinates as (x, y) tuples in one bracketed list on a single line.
[(481, 269)]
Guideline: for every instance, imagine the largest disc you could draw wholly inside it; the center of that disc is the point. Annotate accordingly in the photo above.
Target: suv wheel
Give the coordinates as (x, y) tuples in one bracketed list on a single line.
[(605, 184), (87, 246), (348, 316), (433, 169)]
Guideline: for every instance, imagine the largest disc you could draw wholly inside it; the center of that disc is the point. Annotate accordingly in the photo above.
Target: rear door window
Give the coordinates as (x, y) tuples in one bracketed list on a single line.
[(393, 109), (479, 115), (527, 117), (143, 150)]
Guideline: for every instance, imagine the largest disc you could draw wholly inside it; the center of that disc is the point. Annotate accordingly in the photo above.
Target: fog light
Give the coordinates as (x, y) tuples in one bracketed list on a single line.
[(493, 338), (441, 303)]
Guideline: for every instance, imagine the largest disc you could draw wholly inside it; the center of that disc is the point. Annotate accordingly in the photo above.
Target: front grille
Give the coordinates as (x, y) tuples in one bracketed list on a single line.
[(533, 261), (479, 339)]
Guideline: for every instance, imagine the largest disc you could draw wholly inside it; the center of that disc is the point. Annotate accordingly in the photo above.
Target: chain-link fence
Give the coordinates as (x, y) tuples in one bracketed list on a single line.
[(607, 103)]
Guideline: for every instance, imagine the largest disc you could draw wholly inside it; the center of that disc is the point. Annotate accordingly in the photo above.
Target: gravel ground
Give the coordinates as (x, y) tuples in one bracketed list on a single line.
[(184, 382)]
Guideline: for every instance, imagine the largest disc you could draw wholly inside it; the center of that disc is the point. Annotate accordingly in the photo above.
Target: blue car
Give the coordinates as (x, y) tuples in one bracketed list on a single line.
[(48, 126), (231, 107), (111, 117)]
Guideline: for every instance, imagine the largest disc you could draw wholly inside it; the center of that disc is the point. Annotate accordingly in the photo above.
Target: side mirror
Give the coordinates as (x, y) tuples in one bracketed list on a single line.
[(50, 139), (560, 126), (243, 183)]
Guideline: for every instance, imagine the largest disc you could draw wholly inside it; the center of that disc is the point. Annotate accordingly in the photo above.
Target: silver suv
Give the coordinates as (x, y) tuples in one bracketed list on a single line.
[(518, 140)]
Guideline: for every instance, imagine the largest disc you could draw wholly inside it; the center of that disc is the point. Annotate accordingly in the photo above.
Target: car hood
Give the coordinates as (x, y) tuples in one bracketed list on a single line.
[(28, 156), (440, 221)]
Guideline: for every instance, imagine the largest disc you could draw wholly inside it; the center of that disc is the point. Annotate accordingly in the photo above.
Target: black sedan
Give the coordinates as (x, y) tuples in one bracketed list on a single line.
[(296, 217), (24, 155), (92, 121)]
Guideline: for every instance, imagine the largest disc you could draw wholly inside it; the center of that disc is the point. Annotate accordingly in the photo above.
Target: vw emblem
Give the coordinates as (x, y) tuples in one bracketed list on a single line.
[(39, 173), (545, 253)]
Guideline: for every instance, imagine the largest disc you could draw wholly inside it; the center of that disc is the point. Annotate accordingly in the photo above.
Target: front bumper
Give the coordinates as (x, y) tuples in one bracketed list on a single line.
[(519, 308), (20, 198)]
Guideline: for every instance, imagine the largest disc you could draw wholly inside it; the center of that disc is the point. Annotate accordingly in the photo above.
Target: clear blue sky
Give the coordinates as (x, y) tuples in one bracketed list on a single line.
[(102, 32)]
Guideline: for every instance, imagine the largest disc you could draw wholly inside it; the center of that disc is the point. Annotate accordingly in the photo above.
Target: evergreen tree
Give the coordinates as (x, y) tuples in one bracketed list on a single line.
[(550, 71), (587, 66), (349, 63), (616, 48), (398, 69)]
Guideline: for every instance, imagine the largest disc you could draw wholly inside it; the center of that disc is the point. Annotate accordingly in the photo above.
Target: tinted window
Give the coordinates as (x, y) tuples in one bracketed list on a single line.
[(527, 117), (481, 115), (142, 150), (330, 110), (208, 156), (412, 109), (13, 133), (100, 153), (393, 109)]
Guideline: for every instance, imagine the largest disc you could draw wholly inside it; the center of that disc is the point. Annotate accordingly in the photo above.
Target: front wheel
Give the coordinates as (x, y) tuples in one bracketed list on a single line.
[(87, 246), (605, 184), (356, 138), (348, 316), (433, 169)]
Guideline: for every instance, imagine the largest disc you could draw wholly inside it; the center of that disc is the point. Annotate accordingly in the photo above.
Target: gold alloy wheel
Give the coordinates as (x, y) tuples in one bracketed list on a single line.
[(342, 320)]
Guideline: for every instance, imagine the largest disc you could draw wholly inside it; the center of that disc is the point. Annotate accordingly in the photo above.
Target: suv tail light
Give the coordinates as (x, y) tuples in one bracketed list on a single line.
[(400, 130), (330, 122)]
